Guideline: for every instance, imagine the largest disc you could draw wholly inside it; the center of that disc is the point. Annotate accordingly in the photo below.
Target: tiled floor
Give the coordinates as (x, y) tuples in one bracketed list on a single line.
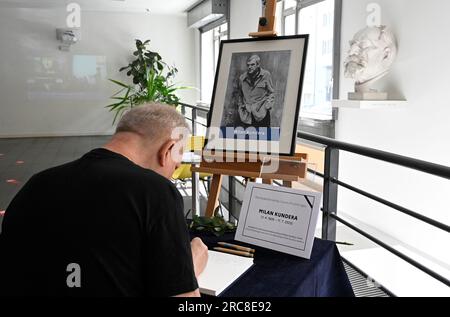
[(21, 158)]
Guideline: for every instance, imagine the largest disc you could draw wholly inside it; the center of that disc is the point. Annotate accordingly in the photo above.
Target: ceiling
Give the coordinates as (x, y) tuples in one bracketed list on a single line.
[(153, 6)]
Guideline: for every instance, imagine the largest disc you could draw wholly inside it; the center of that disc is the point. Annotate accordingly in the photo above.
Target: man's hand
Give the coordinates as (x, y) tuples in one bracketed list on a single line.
[(199, 255), (270, 102)]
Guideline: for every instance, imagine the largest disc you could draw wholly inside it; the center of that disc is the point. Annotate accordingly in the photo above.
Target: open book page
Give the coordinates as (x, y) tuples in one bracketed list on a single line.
[(221, 271)]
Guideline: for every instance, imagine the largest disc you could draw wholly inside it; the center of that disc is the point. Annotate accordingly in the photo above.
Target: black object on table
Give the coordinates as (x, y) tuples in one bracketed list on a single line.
[(276, 274)]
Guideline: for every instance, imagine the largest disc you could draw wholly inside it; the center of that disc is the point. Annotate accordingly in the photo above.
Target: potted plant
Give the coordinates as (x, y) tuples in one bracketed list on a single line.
[(152, 81)]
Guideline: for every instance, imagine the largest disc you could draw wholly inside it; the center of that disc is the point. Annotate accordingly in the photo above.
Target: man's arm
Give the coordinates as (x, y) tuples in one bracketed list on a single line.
[(200, 258), (270, 93), (170, 269)]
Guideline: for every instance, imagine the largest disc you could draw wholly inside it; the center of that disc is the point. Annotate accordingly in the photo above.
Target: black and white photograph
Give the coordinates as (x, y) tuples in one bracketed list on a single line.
[(257, 94), (256, 89)]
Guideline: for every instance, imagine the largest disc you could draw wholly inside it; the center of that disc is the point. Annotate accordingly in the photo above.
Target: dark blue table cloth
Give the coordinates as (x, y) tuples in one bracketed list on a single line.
[(275, 274)]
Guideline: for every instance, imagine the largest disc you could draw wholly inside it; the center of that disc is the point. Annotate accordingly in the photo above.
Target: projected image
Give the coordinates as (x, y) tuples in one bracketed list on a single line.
[(77, 77), (89, 69)]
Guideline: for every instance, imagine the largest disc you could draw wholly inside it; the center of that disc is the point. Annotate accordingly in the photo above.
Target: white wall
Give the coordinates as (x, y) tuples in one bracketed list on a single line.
[(244, 17), (29, 33), (421, 130)]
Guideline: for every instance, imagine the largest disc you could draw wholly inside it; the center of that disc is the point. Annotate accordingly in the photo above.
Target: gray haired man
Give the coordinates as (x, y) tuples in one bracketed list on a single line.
[(256, 95), (112, 215)]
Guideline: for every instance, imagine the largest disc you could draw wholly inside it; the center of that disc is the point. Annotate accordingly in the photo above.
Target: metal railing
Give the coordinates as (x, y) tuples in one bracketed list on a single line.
[(331, 183), (194, 115)]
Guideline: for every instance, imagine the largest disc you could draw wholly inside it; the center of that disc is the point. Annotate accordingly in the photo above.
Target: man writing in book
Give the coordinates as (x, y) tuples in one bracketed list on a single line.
[(108, 224)]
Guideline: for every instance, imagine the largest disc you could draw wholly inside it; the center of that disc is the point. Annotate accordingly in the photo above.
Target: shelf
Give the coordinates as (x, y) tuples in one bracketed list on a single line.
[(369, 104)]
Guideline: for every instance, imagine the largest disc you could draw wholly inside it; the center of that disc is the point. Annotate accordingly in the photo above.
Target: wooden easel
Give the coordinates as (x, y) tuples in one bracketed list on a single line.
[(290, 169), (266, 25)]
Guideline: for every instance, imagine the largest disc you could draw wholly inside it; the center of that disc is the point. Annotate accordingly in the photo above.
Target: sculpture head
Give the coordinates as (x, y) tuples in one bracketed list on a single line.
[(372, 53)]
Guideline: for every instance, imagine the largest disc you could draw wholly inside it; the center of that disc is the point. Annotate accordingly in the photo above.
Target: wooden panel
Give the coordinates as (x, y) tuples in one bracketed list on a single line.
[(315, 156), (290, 168), (267, 30)]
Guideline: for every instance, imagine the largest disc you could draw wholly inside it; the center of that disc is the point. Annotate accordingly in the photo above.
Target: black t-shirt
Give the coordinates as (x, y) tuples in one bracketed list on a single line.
[(120, 226)]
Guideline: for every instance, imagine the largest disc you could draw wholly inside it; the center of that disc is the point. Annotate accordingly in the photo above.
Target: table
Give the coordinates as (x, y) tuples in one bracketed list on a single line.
[(281, 275), (194, 159)]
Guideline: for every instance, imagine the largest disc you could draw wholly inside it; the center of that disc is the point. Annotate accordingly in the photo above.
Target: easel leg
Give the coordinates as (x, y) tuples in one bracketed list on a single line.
[(287, 184), (213, 199)]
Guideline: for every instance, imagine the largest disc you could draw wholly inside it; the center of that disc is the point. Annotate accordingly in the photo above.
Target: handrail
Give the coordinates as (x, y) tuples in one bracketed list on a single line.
[(193, 118), (332, 158), (193, 121), (201, 108), (423, 166), (404, 210), (394, 251)]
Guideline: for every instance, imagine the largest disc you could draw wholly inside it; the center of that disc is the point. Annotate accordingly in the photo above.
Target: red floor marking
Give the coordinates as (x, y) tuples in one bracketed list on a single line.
[(20, 162), (12, 181)]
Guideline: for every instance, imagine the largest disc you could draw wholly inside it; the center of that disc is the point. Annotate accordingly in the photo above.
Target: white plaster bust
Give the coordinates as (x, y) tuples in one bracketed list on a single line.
[(371, 55)]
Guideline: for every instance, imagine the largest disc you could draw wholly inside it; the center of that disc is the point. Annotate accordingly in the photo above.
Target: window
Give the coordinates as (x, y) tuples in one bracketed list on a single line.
[(290, 4), (210, 45), (289, 25), (315, 18)]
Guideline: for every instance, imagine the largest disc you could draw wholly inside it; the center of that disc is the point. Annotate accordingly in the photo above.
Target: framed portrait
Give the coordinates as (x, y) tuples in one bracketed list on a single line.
[(256, 97)]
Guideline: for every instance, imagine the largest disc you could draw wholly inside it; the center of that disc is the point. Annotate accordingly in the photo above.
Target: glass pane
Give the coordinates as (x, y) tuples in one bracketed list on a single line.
[(210, 54), (222, 34), (318, 21), (289, 25), (279, 18), (290, 4), (224, 27), (207, 66)]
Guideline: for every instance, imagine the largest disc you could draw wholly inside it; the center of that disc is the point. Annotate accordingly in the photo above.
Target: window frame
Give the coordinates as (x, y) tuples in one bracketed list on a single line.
[(207, 28), (301, 4)]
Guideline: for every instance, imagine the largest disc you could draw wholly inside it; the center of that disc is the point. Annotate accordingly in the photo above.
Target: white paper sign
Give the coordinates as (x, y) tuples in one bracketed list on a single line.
[(279, 218)]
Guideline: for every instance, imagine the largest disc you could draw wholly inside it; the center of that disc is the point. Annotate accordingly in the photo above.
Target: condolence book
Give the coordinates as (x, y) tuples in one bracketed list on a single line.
[(222, 271)]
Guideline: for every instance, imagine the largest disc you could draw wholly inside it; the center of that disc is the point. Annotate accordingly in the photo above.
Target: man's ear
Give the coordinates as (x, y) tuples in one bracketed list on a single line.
[(165, 152)]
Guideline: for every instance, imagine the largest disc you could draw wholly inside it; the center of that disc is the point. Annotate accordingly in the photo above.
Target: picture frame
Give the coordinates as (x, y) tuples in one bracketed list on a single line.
[(257, 94)]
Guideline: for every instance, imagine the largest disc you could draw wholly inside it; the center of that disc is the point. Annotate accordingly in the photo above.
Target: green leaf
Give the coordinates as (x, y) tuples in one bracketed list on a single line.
[(185, 87), (151, 81), (119, 83), (118, 92), (215, 225)]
